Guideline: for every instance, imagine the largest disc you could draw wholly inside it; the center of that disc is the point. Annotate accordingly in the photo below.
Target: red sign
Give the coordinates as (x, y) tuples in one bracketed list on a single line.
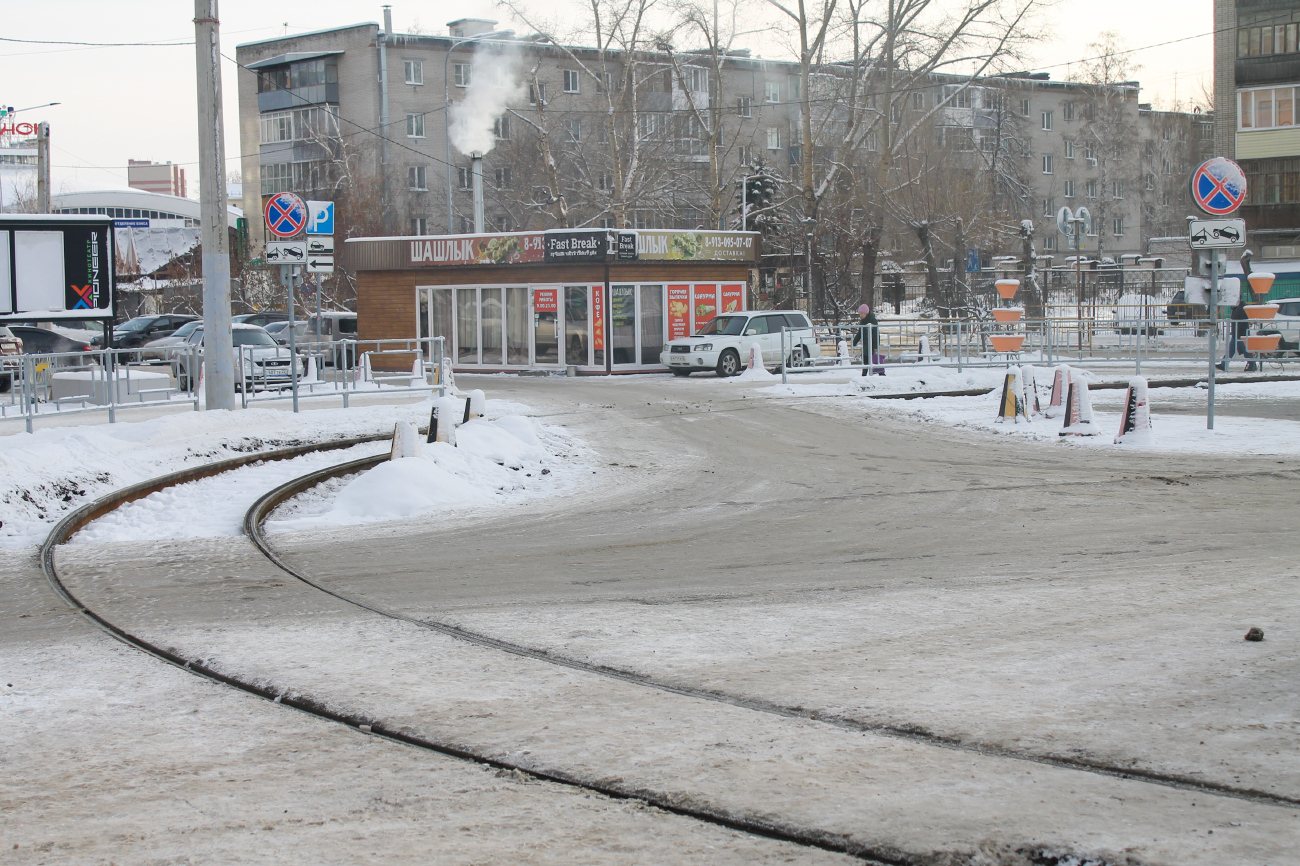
[(598, 318), (1218, 186), (286, 215), (733, 298), (18, 129), (546, 300), (705, 305), (679, 311)]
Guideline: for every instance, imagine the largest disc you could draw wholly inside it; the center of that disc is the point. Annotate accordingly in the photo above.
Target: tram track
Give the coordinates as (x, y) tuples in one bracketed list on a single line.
[(764, 826)]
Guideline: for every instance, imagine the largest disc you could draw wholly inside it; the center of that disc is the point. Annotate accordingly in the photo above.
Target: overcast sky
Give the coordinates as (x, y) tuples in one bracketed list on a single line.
[(138, 102)]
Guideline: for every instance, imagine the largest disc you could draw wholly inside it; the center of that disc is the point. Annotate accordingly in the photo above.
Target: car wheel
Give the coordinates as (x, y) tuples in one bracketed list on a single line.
[(728, 363), (796, 357), (681, 372)]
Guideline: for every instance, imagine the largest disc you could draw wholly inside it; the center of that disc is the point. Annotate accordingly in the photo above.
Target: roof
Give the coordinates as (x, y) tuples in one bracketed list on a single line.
[(291, 57), (274, 39)]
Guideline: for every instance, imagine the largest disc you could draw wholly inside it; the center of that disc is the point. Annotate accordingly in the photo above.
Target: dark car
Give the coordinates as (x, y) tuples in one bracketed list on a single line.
[(261, 319), (1181, 311), (144, 329), (42, 341)]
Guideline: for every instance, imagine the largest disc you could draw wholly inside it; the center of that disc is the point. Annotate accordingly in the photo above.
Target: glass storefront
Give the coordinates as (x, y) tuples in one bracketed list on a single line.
[(553, 326)]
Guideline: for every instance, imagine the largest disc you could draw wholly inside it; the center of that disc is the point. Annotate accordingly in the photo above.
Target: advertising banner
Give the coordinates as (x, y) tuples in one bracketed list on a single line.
[(705, 305), (546, 300), (696, 246), (56, 265), (581, 246), (479, 250), (598, 318), (679, 311), (733, 298)]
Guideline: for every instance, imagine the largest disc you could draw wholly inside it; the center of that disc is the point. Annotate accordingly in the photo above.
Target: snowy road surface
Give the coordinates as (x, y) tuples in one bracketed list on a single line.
[(1055, 602)]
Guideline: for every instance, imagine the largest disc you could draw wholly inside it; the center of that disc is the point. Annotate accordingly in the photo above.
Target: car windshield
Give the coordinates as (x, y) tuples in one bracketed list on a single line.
[(730, 326), (276, 327), (250, 337), (186, 329), (135, 324)]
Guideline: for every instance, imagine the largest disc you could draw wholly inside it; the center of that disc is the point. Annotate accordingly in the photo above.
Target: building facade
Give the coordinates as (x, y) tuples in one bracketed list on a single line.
[(160, 177), (1256, 87), (360, 112)]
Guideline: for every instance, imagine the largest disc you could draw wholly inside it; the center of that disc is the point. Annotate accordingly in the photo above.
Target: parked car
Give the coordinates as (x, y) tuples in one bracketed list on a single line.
[(260, 319), (43, 341), (11, 349), (144, 329), (1181, 311), (162, 350), (722, 343), (259, 361), (334, 326), (279, 332)]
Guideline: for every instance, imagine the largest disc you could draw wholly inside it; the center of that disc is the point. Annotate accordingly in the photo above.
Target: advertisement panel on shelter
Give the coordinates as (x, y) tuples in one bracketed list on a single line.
[(57, 265), (705, 305), (733, 297), (679, 311), (546, 300), (598, 318)]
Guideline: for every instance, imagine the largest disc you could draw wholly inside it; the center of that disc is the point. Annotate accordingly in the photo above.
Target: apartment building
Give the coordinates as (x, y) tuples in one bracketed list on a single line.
[(1256, 86), (358, 106)]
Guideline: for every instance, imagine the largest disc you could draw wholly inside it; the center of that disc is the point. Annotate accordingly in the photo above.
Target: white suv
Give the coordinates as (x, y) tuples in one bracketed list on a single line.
[(1286, 323), (723, 344)]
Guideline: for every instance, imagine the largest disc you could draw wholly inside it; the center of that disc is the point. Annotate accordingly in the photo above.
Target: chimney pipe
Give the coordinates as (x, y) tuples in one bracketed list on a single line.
[(476, 160), (388, 20)]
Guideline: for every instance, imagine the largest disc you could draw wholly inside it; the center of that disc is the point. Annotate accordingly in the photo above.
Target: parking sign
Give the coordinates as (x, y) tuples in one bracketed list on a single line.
[(320, 217)]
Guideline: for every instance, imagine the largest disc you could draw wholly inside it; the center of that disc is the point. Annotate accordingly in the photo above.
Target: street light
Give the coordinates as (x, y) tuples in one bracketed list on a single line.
[(446, 105)]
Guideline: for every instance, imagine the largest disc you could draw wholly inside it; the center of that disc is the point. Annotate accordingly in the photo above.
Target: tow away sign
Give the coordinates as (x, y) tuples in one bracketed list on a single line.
[(1211, 234)]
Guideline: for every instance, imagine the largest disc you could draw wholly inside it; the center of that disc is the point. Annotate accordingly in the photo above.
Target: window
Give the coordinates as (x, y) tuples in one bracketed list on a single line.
[(414, 71), (1090, 189), (1049, 207), (1267, 108), (895, 113), (419, 225), (536, 91), (1151, 181), (773, 138), (918, 101), (415, 126), (276, 126), (771, 92), (501, 127), (961, 98), (1089, 154), (1167, 167), (570, 81), (503, 178), (277, 177), (1047, 163), (501, 222), (1119, 226), (746, 156), (605, 181), (1275, 37), (573, 130), (697, 79), (460, 74), (1069, 149), (653, 126), (1069, 189), (744, 106), (417, 178), (1067, 111), (1116, 189), (464, 176), (1024, 108), (1049, 242), (1047, 120), (794, 86)]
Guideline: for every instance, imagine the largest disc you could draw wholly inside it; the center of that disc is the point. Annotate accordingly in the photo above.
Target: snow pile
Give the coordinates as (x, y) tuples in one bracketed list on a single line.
[(403, 488)]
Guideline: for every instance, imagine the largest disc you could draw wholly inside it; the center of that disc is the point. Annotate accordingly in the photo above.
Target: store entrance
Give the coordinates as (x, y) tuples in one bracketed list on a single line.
[(636, 324)]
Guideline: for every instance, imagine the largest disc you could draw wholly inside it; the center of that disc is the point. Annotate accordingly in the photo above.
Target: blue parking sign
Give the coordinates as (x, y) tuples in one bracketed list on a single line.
[(972, 261), (320, 217)]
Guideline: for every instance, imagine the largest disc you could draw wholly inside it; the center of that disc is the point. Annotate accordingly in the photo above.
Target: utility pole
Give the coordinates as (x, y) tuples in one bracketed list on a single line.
[(42, 167), (218, 344)]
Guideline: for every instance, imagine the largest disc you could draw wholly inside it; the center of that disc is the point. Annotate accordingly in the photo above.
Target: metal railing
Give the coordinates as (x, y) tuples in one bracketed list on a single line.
[(960, 344), (356, 367), (101, 380)]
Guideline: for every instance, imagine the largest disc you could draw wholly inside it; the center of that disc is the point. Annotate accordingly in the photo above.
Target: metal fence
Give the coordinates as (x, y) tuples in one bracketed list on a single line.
[(112, 380)]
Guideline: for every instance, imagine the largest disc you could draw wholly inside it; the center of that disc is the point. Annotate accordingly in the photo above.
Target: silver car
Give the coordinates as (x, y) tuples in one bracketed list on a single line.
[(259, 361)]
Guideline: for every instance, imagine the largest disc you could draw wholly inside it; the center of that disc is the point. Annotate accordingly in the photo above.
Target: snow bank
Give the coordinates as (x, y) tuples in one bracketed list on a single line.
[(402, 488)]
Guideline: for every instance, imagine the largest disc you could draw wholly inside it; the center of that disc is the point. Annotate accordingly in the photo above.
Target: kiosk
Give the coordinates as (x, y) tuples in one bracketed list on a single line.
[(599, 300)]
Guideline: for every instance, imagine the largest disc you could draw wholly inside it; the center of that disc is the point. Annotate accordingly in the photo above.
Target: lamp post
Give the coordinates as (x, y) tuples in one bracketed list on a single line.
[(446, 106)]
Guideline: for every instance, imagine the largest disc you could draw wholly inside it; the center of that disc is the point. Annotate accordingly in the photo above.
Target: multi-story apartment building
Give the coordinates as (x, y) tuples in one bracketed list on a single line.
[(1256, 87), (361, 109)]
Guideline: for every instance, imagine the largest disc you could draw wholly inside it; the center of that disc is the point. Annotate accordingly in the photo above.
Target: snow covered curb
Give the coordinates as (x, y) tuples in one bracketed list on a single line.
[(48, 473)]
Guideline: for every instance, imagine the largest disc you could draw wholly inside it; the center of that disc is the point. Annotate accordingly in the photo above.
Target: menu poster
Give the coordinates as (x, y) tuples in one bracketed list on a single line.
[(598, 318), (733, 298), (705, 305), (679, 311), (546, 300)]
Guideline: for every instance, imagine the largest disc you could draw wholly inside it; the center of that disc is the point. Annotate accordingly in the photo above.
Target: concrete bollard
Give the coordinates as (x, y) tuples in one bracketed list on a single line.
[(1078, 410), (1135, 424), (475, 404), (842, 353), (448, 411), (406, 441)]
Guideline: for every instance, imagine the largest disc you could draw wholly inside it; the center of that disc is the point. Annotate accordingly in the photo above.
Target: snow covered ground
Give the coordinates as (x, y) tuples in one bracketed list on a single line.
[(51, 471)]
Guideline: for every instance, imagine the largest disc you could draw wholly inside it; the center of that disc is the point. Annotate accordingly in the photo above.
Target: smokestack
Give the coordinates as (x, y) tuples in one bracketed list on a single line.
[(388, 20), (476, 160)]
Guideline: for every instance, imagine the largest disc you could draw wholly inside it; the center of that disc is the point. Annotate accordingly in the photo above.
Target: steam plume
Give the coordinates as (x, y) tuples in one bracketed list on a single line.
[(493, 82)]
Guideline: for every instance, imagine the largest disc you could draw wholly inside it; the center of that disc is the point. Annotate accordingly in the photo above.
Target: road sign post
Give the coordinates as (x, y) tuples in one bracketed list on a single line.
[(289, 276), (1218, 188)]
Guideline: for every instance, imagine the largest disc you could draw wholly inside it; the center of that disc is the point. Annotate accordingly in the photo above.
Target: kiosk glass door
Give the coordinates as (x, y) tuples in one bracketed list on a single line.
[(467, 326), (577, 328), (622, 324)]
